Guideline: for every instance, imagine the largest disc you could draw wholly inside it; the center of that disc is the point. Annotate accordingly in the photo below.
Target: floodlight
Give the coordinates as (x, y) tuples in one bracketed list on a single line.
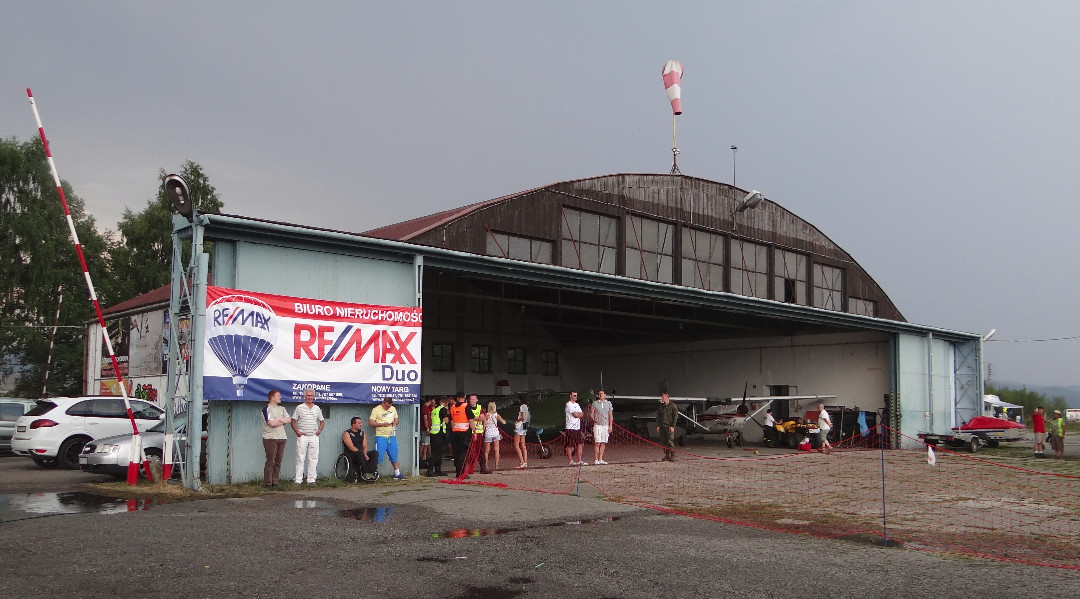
[(177, 192), (751, 200)]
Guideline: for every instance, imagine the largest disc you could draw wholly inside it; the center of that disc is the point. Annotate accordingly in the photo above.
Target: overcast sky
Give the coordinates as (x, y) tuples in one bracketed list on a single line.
[(937, 142)]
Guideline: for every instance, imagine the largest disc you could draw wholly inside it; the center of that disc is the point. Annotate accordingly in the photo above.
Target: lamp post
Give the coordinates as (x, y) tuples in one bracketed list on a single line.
[(188, 289), (734, 149)]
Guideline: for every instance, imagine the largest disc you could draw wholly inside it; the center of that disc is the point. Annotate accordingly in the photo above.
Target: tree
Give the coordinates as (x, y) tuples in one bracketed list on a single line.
[(37, 257), (141, 258), (1029, 399)]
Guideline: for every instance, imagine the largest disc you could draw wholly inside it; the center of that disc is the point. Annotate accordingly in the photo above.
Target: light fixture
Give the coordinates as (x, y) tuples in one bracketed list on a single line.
[(751, 200), (988, 335), (177, 191)]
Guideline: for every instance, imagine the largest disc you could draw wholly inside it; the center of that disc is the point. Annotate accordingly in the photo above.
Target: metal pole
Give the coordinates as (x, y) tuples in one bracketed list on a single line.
[(734, 149), (52, 342), (136, 442)]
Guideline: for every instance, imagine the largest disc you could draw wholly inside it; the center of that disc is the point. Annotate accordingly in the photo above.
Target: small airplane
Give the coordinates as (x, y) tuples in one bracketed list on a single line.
[(714, 415)]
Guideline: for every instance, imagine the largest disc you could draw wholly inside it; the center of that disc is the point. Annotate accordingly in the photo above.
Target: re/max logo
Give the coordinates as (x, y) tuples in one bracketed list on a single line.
[(325, 344), (241, 317)]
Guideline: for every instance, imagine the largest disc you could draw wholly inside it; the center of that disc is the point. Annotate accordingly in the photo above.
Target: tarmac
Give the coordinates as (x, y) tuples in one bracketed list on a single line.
[(423, 538)]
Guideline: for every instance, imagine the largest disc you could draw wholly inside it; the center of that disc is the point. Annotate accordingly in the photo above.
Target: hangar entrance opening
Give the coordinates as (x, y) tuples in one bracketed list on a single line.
[(495, 337)]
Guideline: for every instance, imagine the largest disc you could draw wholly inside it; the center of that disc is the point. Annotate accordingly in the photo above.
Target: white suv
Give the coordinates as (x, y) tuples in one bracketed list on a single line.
[(54, 431)]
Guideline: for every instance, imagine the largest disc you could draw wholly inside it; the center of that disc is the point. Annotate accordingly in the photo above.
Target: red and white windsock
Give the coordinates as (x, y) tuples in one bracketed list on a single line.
[(672, 78)]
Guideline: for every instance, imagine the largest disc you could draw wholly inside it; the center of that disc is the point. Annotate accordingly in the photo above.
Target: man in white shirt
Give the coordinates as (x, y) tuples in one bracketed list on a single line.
[(770, 428), (307, 423), (574, 438), (602, 414)]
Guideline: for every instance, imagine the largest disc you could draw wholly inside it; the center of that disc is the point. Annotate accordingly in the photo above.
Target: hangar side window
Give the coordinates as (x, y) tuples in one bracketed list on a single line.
[(749, 269), (789, 277), (828, 287), (702, 260), (442, 357), (649, 246), (865, 307), (515, 360), (518, 248), (589, 241), (549, 362), (480, 360)]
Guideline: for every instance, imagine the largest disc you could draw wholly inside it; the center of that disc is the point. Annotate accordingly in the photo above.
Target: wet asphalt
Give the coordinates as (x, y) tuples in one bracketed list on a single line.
[(421, 538)]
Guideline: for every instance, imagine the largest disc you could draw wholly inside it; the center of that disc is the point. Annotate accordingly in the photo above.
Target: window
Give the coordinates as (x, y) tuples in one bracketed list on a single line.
[(518, 248), (144, 411), (480, 359), (442, 357), (549, 362), (790, 277), (648, 249), (828, 287), (865, 307), (749, 269), (702, 260), (83, 408), (109, 408), (589, 241), (515, 360)]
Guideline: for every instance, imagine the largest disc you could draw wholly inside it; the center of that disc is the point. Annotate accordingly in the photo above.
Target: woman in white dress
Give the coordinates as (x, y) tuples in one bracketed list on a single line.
[(492, 436)]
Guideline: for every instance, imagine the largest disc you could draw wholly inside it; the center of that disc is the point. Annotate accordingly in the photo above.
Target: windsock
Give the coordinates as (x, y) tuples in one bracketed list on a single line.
[(672, 76)]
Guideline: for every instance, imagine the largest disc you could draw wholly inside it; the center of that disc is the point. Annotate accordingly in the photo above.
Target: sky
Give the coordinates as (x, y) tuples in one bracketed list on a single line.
[(936, 142)]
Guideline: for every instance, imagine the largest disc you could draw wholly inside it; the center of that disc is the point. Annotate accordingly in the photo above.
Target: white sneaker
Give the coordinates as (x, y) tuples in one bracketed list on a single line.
[(601, 462)]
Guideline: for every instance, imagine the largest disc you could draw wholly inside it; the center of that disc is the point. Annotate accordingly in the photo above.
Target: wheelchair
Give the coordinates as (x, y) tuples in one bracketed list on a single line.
[(343, 468)]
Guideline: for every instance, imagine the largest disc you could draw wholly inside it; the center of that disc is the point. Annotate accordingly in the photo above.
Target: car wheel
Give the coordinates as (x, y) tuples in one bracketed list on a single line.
[(973, 446), (45, 462), (68, 456)]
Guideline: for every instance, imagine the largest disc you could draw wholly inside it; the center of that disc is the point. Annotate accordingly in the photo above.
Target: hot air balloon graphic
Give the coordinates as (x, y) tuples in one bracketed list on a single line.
[(240, 331)]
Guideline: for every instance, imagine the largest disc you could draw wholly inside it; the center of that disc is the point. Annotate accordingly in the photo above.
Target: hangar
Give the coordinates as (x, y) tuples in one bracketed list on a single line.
[(634, 281)]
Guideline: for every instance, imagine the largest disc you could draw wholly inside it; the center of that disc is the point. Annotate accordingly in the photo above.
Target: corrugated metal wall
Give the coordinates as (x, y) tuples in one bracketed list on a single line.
[(234, 441)]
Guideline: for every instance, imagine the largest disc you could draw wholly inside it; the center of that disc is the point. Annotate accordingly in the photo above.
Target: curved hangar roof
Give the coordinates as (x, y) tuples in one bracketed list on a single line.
[(664, 228)]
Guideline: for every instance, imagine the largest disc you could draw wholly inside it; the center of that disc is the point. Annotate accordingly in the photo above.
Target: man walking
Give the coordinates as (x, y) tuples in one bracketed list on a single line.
[(1038, 420), (602, 414), (574, 438), (275, 418), (307, 423), (460, 435), (384, 418), (666, 418)]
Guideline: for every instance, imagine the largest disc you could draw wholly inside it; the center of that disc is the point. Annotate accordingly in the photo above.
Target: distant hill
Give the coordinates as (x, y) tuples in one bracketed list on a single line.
[(1070, 393)]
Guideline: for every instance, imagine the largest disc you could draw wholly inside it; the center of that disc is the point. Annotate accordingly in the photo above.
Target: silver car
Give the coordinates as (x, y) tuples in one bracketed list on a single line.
[(11, 409), (110, 455)]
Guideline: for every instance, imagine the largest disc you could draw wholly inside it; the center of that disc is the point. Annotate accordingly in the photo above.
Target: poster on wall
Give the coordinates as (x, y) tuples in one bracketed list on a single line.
[(144, 343), (348, 353), (118, 336)]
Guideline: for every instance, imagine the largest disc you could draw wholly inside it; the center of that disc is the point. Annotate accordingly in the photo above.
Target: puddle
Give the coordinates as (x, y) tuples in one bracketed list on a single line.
[(463, 533), (75, 502), (308, 504), (363, 514)]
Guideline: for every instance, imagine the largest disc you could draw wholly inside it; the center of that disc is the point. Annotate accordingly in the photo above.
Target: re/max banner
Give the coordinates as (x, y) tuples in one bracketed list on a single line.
[(348, 353)]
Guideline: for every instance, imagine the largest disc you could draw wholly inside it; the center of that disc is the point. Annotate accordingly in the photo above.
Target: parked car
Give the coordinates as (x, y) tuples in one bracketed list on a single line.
[(111, 455), (54, 431), (11, 409)]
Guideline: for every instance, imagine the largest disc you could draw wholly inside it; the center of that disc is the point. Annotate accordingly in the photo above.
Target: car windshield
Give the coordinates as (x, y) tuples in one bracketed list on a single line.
[(40, 408), (157, 428)]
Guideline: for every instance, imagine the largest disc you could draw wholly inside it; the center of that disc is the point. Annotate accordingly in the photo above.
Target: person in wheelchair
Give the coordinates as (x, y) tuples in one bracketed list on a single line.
[(356, 448)]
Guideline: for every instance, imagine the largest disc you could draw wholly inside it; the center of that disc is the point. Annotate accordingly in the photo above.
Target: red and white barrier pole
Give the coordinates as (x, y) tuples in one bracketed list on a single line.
[(136, 442)]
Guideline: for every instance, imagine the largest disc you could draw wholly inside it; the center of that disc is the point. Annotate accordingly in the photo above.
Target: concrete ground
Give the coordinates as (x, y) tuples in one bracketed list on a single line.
[(421, 538)]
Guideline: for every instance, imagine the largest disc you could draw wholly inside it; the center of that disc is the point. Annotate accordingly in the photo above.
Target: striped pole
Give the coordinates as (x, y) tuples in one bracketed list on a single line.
[(52, 342), (136, 441)]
